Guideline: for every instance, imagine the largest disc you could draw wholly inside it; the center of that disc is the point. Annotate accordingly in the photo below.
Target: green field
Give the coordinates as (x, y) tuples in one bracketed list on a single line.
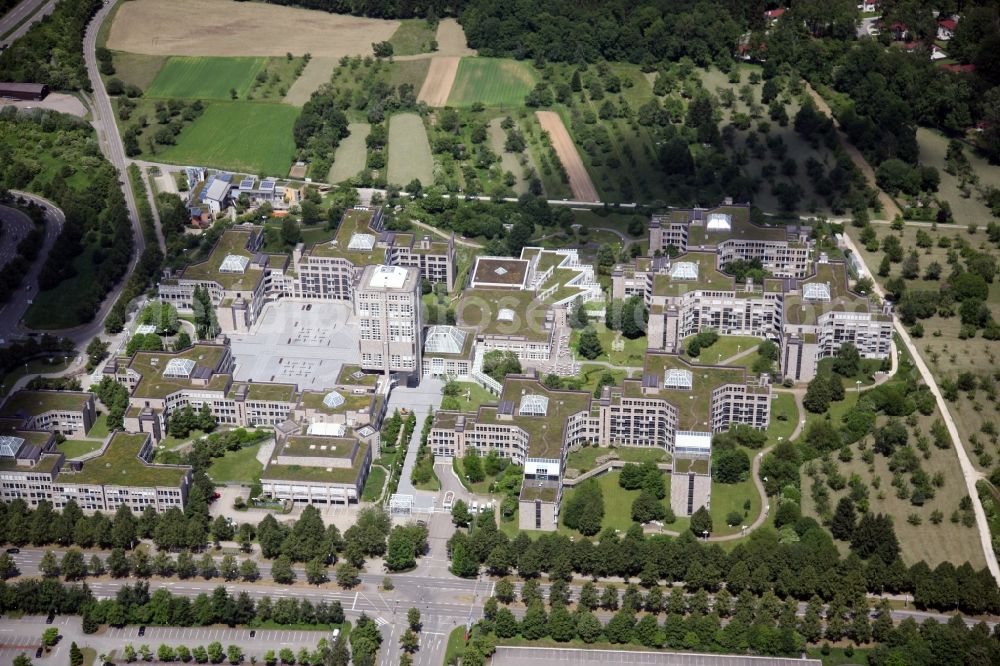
[(74, 448), (411, 37), (237, 466), (493, 82), (373, 486), (53, 309), (205, 78), (349, 158), (586, 458), (242, 136), (99, 429), (409, 151)]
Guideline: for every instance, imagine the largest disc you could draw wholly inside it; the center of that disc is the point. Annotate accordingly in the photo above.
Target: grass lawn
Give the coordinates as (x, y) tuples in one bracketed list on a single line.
[(592, 374), (205, 77), (725, 347), (243, 136), (349, 158), (493, 82), (99, 429), (89, 656), (373, 486), (477, 395), (433, 485), (837, 657), (586, 458), (73, 448), (618, 504), (409, 151), (411, 37), (237, 466), (732, 497), (784, 417), (456, 645), (32, 368), (607, 220), (54, 308), (633, 353)]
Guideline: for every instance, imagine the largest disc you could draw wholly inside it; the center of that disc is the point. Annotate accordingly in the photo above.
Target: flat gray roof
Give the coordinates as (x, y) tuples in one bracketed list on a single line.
[(513, 656)]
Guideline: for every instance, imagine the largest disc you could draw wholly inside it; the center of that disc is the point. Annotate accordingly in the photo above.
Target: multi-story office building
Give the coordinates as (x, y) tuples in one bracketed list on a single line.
[(387, 304), (676, 406), (323, 466), (68, 413), (123, 473), (201, 376), (809, 317), (783, 251), (33, 469), (241, 279)]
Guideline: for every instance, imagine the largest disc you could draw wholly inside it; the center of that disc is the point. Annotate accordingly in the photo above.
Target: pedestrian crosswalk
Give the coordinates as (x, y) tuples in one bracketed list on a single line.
[(381, 621)]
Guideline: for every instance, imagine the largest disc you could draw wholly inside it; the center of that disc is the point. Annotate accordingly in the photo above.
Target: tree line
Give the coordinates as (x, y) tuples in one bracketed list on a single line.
[(12, 273), (51, 52), (746, 624), (809, 566)]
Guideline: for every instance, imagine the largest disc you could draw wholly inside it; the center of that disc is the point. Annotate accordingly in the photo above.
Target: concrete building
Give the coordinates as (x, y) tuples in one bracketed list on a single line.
[(123, 473), (448, 352), (783, 251), (320, 468), (68, 413), (387, 304), (676, 406), (809, 317), (201, 376), (435, 259), (32, 469), (29, 463)]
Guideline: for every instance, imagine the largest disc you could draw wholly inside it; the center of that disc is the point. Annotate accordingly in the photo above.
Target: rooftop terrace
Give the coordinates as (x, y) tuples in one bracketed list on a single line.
[(499, 271), (120, 465), (694, 404), (709, 277), (545, 433), (152, 364), (276, 472), (232, 243), (32, 403), (354, 222)]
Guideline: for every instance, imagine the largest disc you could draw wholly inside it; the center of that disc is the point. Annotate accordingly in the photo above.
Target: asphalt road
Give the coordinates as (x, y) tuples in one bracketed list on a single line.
[(13, 311), (18, 14)]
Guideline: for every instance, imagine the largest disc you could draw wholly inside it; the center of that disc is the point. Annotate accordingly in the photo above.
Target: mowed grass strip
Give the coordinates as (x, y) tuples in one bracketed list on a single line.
[(494, 82), (349, 159), (205, 77), (409, 151), (252, 137)]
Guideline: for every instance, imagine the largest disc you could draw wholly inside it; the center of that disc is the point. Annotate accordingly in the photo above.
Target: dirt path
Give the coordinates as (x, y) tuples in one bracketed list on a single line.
[(889, 207), (440, 79), (579, 180), (315, 74)]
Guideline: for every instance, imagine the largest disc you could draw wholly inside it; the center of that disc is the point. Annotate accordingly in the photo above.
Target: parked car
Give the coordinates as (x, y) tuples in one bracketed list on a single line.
[(142, 630), (13, 551)]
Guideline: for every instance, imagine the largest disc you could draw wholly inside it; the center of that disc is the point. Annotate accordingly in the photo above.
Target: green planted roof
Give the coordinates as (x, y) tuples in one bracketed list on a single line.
[(120, 465), (151, 366), (32, 403), (354, 222), (276, 472), (233, 242)]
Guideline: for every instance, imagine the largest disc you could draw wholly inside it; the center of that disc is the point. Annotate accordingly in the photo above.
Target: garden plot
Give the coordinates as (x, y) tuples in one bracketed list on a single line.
[(579, 180), (409, 151)]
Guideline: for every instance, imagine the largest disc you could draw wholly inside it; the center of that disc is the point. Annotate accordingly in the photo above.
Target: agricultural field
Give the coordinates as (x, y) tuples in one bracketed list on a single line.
[(136, 68), (438, 83), (409, 151), (579, 180), (493, 82), (229, 28), (205, 78), (413, 36), (250, 137), (316, 72), (349, 159), (966, 203)]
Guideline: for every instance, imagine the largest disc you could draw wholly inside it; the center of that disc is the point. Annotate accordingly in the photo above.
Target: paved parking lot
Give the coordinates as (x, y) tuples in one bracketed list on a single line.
[(301, 343), (511, 656)]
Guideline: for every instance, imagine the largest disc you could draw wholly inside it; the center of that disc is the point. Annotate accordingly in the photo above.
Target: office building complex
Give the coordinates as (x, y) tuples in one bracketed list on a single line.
[(387, 305)]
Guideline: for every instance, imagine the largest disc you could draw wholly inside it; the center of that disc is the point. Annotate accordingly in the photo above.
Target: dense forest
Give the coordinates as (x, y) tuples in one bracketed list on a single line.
[(52, 51), (47, 153)]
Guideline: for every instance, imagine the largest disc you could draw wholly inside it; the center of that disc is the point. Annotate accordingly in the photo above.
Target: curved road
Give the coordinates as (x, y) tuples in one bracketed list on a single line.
[(13, 311)]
